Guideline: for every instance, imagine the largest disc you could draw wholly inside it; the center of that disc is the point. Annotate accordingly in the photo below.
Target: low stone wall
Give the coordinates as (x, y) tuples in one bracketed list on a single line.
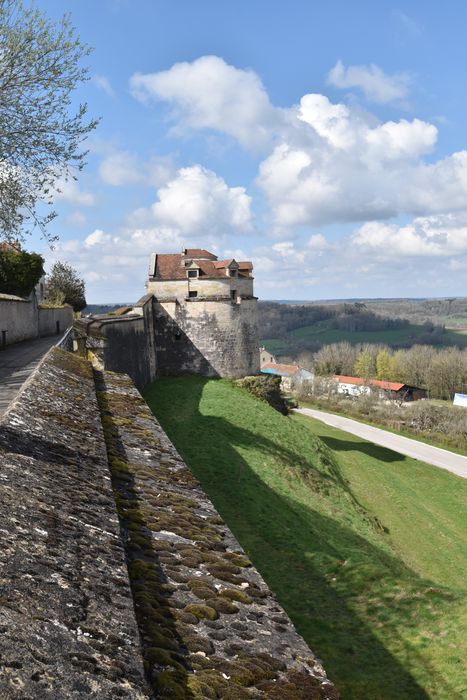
[(67, 627), (18, 319), (22, 319), (54, 320), (210, 626)]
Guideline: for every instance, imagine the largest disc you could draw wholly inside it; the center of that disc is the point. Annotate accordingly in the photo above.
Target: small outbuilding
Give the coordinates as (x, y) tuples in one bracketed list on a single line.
[(293, 376)]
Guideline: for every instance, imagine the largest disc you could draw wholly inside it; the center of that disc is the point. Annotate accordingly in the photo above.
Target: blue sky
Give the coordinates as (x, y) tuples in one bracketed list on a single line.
[(326, 142)]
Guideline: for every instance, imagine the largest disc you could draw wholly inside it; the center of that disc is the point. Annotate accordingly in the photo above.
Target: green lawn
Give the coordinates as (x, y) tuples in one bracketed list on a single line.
[(364, 548)]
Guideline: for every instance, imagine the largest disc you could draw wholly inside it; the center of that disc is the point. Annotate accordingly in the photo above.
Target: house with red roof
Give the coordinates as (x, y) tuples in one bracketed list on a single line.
[(356, 386)]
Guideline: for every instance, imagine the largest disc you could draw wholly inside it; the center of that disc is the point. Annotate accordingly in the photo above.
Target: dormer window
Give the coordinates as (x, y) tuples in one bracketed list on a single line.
[(193, 273)]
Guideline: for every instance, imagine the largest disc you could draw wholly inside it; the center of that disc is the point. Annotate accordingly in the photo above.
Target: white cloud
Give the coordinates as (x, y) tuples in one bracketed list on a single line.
[(120, 168), (68, 190), (340, 166), (210, 94), (318, 243), (376, 85), (125, 168), (325, 162), (97, 237), (432, 236), (197, 200), (76, 218), (196, 206), (103, 84)]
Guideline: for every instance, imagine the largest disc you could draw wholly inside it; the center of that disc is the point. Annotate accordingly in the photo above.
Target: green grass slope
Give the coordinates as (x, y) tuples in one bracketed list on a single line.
[(332, 536)]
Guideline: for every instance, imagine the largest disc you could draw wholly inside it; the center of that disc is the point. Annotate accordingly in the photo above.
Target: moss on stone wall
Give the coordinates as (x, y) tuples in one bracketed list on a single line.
[(207, 620)]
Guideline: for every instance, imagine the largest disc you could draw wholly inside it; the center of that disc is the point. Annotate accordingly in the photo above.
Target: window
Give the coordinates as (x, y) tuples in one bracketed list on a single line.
[(192, 295), (192, 273), (233, 294), (233, 273)]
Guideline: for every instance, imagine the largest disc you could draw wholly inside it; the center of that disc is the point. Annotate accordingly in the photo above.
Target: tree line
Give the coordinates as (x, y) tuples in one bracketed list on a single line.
[(276, 320), (441, 371)]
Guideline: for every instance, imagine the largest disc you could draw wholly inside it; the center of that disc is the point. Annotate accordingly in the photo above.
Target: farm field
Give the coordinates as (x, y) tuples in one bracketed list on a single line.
[(392, 337), (400, 337), (363, 547)]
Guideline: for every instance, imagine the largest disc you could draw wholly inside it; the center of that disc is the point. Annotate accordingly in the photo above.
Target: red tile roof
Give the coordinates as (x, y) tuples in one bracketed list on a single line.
[(224, 263), (171, 266), (198, 253), (381, 384)]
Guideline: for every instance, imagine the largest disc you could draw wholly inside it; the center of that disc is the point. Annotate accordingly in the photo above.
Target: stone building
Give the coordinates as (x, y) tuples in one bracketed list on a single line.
[(199, 316), (265, 357), (205, 314)]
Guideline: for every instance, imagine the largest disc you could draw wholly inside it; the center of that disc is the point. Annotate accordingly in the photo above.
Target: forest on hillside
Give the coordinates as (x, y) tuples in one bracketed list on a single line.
[(289, 329)]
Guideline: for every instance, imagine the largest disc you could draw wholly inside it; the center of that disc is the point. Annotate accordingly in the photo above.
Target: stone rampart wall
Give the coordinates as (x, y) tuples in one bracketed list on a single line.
[(67, 627)]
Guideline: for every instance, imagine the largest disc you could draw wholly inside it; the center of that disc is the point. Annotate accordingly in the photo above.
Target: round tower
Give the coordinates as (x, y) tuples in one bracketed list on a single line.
[(205, 313)]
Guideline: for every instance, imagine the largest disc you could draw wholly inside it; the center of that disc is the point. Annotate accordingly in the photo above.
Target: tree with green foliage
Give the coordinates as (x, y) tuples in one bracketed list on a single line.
[(41, 134), (365, 365), (64, 286), (19, 272), (384, 368)]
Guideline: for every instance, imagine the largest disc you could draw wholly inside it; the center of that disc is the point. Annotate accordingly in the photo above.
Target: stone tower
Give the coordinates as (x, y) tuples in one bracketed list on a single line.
[(205, 315)]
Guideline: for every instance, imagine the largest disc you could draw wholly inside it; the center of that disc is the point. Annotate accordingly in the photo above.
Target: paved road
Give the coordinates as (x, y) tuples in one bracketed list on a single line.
[(457, 464), (16, 364)]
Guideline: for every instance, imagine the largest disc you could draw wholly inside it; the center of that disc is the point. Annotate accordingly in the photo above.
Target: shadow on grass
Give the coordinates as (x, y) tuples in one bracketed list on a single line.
[(368, 448), (321, 570)]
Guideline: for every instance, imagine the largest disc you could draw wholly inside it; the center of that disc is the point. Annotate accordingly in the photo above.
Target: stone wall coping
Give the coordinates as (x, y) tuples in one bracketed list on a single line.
[(12, 297)]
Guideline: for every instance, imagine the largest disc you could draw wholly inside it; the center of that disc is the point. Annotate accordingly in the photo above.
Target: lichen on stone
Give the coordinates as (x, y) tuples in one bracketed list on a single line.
[(205, 615)]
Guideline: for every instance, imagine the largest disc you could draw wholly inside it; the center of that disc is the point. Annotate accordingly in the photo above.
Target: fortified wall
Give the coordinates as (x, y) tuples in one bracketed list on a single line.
[(119, 578), (199, 316)]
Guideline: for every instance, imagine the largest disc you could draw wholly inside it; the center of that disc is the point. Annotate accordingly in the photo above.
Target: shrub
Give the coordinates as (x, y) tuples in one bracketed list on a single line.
[(267, 388)]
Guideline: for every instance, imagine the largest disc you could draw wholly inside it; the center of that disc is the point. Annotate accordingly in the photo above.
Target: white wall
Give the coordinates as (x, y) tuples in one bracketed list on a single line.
[(460, 400)]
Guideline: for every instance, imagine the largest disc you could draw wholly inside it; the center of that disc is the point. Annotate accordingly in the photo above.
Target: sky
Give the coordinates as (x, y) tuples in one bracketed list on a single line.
[(323, 141)]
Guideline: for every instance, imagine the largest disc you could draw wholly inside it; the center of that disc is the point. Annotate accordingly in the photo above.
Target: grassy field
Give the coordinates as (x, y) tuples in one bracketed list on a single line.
[(394, 338), (400, 336), (363, 547)]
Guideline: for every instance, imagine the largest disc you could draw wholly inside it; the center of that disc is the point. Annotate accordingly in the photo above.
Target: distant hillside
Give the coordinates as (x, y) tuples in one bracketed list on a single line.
[(448, 311), (365, 553), (288, 329)]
